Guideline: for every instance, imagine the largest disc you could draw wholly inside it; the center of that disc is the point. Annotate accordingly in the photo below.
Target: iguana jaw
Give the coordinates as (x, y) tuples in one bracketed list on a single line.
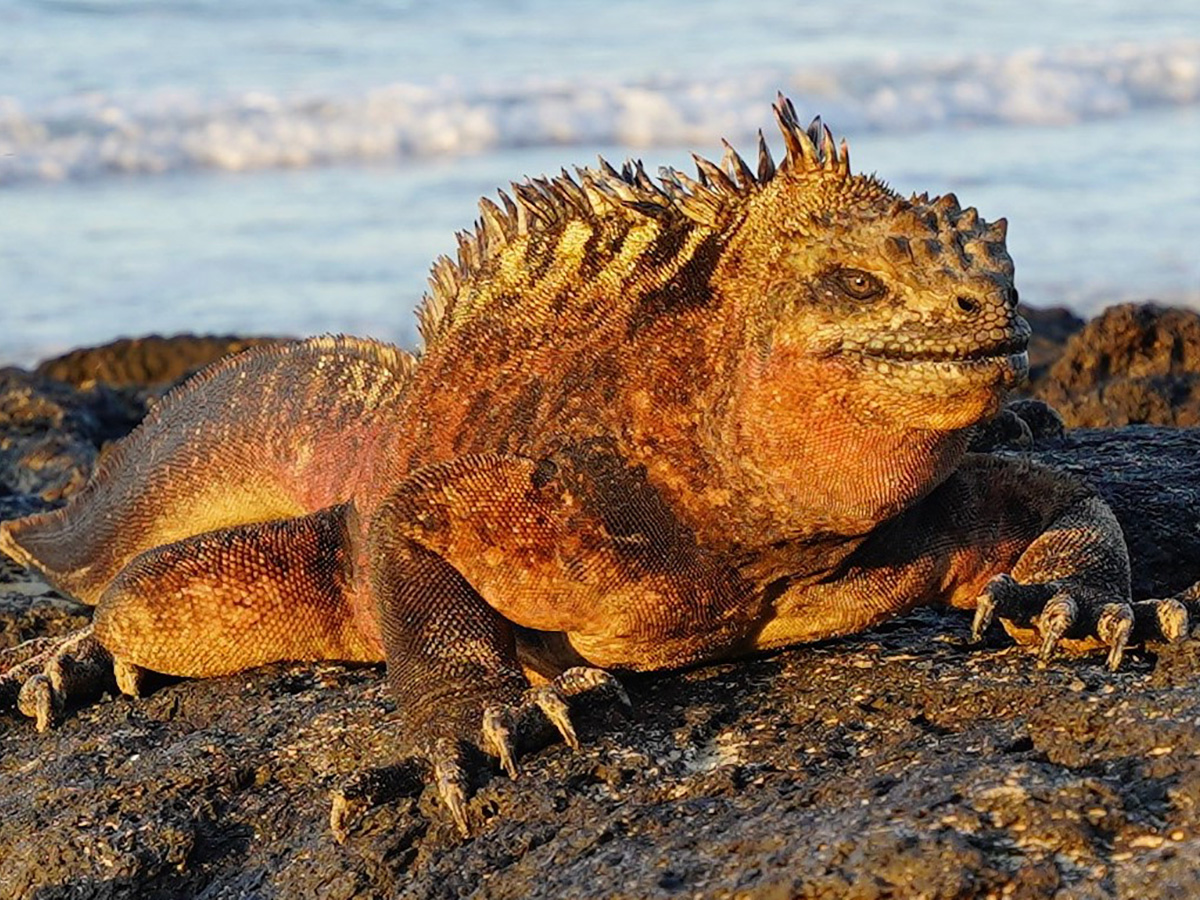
[(1007, 366), (901, 357)]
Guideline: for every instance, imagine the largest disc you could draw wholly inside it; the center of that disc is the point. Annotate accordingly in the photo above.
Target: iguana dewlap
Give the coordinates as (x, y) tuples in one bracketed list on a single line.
[(651, 425)]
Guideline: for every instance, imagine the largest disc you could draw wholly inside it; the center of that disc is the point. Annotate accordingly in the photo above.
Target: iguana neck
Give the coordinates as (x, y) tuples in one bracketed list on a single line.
[(842, 481)]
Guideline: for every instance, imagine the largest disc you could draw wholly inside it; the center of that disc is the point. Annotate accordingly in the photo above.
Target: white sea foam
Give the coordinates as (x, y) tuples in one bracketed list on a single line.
[(88, 136)]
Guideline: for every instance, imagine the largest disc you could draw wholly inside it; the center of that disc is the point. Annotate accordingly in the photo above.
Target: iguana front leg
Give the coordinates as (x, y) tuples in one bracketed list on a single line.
[(453, 665), (577, 543), (1070, 583), (1026, 545)]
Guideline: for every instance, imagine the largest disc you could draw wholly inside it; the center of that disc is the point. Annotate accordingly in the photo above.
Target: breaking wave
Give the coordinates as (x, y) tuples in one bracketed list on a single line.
[(95, 135)]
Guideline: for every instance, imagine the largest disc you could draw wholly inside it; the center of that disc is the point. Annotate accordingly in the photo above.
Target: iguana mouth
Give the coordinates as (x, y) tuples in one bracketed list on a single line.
[(1007, 349), (1008, 345), (1005, 362)]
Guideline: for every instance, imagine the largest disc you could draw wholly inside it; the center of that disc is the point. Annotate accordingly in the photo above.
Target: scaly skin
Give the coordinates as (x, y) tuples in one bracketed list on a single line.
[(650, 427)]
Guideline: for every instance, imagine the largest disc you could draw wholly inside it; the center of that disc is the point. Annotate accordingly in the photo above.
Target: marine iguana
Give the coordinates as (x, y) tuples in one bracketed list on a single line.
[(651, 425)]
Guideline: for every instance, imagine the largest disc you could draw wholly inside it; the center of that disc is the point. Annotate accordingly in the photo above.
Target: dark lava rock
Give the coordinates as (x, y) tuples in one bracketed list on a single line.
[(144, 362), (1052, 327), (51, 433), (1135, 363), (896, 763)]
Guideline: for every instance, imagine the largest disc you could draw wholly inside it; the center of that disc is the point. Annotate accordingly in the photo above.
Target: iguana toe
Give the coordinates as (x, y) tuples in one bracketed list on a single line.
[(1054, 621), (557, 711), (1162, 620), (985, 613), (498, 738), (504, 728), (586, 679), (552, 699), (1005, 598), (1114, 626), (41, 678), (39, 701), (1057, 614), (450, 780)]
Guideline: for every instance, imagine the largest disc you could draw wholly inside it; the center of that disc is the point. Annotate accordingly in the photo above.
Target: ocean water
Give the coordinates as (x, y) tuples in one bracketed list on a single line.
[(293, 166)]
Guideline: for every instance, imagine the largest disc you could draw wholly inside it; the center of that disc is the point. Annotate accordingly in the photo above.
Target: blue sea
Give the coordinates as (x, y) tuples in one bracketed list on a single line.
[(293, 166)]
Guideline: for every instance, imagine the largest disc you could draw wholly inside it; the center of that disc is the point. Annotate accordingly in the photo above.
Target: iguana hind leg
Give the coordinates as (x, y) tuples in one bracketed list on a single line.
[(211, 604), (240, 597)]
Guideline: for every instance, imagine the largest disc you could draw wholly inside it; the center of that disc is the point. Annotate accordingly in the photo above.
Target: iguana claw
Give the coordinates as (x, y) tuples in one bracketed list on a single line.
[(1114, 627), (499, 724), (1167, 619), (451, 783), (1054, 621), (497, 738), (985, 609), (501, 729), (556, 710), (583, 679), (1055, 612)]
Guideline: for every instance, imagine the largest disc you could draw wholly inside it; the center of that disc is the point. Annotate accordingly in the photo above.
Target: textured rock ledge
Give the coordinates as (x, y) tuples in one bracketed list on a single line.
[(898, 763)]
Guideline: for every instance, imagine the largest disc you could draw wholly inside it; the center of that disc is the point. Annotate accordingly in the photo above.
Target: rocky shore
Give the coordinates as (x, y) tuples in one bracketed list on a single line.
[(897, 763)]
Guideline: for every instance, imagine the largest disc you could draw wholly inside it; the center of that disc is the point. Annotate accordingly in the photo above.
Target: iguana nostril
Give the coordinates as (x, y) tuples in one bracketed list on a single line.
[(968, 305)]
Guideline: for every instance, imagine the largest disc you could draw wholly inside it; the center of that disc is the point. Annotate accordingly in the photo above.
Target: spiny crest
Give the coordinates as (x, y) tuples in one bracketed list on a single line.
[(811, 150), (712, 199)]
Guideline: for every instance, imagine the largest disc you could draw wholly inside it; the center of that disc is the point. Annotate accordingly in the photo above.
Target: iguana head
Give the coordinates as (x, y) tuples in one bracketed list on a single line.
[(875, 331), (904, 309), (908, 305)]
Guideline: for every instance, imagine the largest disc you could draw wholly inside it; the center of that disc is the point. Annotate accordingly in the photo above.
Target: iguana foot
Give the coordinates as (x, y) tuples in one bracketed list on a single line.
[(1057, 613), (499, 730), (501, 725), (44, 676), (504, 727)]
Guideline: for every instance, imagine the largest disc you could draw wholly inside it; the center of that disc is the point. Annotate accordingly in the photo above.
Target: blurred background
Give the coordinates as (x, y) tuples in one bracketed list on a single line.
[(292, 167)]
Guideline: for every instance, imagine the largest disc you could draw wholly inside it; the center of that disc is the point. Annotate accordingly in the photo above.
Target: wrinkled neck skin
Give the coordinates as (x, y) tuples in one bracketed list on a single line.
[(818, 450), (811, 462), (785, 453)]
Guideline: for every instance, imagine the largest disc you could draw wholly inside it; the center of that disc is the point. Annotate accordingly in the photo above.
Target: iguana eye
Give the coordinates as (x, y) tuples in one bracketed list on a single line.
[(859, 284)]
